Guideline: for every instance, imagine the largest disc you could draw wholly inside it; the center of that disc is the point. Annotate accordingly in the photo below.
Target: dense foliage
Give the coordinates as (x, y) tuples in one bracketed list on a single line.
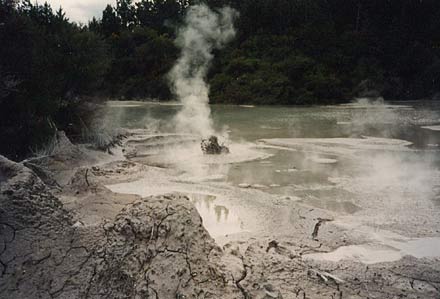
[(46, 61), (318, 51), (285, 52)]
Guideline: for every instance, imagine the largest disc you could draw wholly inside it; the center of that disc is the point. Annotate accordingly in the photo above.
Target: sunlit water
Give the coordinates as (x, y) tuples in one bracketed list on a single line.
[(218, 219), (371, 163)]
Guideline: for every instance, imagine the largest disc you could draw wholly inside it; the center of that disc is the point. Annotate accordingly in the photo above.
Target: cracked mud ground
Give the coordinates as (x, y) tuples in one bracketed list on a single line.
[(85, 241)]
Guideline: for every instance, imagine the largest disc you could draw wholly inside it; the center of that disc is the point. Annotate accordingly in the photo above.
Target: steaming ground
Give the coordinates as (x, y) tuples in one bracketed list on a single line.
[(203, 31), (374, 178), (387, 188), (303, 207)]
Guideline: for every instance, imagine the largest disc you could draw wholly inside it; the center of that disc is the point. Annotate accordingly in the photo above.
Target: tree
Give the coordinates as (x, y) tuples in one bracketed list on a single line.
[(110, 23), (126, 13)]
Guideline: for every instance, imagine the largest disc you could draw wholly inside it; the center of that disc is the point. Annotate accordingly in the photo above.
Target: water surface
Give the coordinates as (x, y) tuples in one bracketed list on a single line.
[(373, 164)]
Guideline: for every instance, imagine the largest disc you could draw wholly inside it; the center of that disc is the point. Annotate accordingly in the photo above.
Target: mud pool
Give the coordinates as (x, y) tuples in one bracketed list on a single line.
[(374, 167)]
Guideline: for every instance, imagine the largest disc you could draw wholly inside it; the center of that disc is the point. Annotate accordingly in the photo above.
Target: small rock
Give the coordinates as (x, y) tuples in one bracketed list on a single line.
[(272, 244), (78, 224), (271, 292), (212, 147)]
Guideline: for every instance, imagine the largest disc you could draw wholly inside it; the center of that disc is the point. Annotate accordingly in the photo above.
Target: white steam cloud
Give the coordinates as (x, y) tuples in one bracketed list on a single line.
[(204, 30)]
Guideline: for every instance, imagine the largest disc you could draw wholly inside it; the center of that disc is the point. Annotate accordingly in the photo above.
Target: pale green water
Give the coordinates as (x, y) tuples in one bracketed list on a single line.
[(293, 169), (251, 124), (375, 187)]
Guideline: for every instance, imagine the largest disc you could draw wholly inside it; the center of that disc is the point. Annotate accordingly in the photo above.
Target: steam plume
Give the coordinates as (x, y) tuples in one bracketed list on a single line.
[(204, 30)]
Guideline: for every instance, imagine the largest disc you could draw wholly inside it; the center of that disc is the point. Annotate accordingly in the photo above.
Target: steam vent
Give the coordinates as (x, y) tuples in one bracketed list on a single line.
[(211, 146)]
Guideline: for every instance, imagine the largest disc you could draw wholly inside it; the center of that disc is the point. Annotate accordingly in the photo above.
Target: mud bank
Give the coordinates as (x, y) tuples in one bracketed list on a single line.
[(153, 247), (79, 239)]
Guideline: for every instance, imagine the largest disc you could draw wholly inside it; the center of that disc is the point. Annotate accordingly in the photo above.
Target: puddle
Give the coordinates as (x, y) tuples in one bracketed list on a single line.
[(185, 155), (218, 219), (377, 253)]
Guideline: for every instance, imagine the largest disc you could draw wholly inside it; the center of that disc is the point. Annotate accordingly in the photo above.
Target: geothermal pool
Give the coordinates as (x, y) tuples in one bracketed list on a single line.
[(375, 167)]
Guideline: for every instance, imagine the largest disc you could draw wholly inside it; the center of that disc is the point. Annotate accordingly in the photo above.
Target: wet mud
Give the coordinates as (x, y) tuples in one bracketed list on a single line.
[(119, 227)]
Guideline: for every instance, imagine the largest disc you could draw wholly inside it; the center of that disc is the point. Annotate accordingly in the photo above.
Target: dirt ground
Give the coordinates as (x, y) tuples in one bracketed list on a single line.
[(64, 234)]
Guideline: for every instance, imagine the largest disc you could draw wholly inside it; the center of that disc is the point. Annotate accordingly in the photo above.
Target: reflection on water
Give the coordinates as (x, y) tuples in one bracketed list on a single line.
[(288, 169), (349, 175), (218, 219), (284, 168), (251, 124)]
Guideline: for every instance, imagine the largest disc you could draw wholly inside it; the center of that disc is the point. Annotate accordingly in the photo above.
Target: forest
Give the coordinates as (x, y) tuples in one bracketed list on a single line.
[(286, 52)]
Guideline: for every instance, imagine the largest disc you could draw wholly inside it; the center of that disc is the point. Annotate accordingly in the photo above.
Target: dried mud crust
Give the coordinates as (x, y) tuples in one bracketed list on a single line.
[(155, 248), (88, 242), (277, 270)]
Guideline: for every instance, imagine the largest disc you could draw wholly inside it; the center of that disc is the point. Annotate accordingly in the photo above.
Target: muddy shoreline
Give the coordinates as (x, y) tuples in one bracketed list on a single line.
[(79, 239)]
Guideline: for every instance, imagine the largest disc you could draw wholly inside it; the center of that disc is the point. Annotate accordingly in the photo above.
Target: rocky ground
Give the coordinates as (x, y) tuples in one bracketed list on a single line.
[(63, 234)]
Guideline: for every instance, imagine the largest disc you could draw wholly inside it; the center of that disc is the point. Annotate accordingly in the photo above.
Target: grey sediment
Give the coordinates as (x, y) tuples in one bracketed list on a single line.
[(64, 234)]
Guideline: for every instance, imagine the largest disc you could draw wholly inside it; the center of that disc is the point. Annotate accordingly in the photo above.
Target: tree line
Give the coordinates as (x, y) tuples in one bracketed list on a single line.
[(286, 52)]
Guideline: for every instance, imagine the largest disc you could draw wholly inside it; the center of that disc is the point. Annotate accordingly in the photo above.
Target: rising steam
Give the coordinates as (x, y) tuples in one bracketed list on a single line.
[(204, 30)]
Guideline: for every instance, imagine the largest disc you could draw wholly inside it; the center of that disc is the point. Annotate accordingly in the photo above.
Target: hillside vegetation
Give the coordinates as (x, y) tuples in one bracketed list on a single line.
[(295, 52)]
